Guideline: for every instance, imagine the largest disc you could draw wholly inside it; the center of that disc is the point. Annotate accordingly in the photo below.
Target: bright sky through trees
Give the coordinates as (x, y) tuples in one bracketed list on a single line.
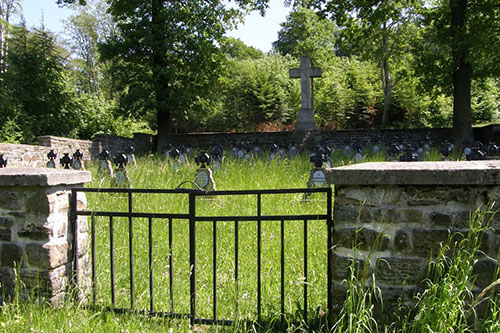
[(259, 32)]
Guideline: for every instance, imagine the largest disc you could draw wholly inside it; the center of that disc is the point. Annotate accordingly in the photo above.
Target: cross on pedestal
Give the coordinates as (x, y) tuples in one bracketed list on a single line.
[(305, 73)]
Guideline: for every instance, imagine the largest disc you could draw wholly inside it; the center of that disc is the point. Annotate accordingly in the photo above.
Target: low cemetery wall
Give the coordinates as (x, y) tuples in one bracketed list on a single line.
[(66, 145), (24, 155), (334, 138), (143, 143), (36, 156), (19, 155), (36, 240), (396, 216), (486, 134)]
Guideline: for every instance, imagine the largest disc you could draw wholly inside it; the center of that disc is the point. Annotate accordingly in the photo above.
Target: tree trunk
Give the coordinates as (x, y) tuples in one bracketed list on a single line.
[(164, 130), (386, 81), (462, 74), (163, 114)]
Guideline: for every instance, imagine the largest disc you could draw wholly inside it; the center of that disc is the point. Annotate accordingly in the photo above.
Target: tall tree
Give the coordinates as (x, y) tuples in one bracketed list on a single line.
[(175, 43), (305, 33), (88, 27), (8, 8), (37, 81), (375, 29), (459, 44)]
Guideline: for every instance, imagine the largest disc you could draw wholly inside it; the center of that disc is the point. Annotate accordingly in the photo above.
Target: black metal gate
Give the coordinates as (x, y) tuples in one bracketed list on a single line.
[(194, 219)]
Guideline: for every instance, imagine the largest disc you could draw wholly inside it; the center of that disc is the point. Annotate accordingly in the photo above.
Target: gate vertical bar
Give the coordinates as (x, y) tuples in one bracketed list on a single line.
[(214, 260), (151, 291), (170, 265), (192, 254), (74, 224), (259, 261), (131, 250), (329, 268), (282, 269), (305, 271), (94, 275), (236, 270), (112, 261)]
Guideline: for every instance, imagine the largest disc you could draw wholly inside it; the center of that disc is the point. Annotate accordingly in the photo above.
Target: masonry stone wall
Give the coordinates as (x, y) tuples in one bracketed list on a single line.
[(24, 155), (66, 145), (395, 217), (334, 138), (19, 155), (144, 144), (36, 239)]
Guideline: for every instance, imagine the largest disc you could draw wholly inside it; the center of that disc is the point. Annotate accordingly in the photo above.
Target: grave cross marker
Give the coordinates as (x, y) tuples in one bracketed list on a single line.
[(306, 74)]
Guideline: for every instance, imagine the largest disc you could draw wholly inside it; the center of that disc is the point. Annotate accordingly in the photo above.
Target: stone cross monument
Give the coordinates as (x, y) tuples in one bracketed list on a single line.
[(305, 73)]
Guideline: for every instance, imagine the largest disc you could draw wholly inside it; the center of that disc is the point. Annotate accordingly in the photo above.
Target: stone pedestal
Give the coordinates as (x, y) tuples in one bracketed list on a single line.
[(305, 121), (401, 213), (36, 239)]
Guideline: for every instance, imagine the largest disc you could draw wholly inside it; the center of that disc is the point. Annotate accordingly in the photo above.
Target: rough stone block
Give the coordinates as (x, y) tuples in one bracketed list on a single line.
[(424, 202), (342, 267), (396, 303), (485, 270), (6, 222), (442, 219), (83, 225), (341, 199), (34, 232), (346, 213), (339, 294), (38, 203), (36, 281), (400, 271), (402, 241), (7, 283), (409, 215), (10, 201), (5, 235), (427, 242), (10, 254), (371, 196), (361, 238), (47, 255), (83, 244)]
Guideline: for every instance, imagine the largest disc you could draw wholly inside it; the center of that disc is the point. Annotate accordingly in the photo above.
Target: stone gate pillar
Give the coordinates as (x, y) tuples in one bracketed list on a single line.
[(401, 213), (36, 237)]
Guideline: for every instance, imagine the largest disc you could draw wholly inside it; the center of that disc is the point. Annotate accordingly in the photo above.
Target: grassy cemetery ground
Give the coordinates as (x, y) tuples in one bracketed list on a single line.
[(152, 172)]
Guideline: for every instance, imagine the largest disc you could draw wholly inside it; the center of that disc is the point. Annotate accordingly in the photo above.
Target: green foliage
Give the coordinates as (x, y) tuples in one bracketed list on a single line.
[(347, 94), (236, 49), (479, 37), (379, 31), (168, 66), (37, 86), (255, 91), (485, 100), (173, 47), (305, 33), (11, 132)]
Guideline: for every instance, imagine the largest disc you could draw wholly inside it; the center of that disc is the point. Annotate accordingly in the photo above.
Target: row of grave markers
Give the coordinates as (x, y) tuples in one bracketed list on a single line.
[(320, 156)]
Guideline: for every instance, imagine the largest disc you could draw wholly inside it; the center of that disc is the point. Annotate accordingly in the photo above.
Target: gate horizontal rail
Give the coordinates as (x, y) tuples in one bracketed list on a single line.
[(192, 217)]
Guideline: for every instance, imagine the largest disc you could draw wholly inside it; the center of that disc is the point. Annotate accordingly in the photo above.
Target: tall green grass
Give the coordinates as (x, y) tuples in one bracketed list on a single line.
[(236, 174), (447, 303), (444, 306)]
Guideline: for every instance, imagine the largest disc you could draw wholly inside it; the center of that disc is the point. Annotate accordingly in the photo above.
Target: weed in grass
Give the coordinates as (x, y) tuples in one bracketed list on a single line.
[(357, 312), (445, 304)]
